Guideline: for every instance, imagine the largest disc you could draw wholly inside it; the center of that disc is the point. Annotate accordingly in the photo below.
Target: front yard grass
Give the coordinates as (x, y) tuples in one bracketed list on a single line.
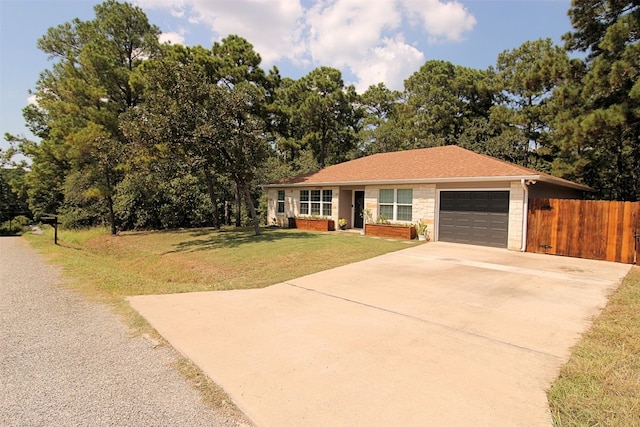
[(600, 385), (140, 263)]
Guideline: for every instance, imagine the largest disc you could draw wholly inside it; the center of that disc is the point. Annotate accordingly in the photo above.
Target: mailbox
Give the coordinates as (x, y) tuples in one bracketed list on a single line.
[(51, 220)]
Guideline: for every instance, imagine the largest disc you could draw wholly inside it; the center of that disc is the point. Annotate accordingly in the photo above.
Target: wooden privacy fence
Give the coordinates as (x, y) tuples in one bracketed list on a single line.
[(591, 229)]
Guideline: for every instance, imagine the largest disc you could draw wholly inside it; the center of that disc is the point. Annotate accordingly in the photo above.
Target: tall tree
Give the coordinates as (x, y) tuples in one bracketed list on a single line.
[(81, 97), (440, 99), (379, 132), (525, 80), (323, 115), (205, 113), (602, 136)]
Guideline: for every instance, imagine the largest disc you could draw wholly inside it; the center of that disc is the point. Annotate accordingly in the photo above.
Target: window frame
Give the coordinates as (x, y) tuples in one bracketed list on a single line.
[(280, 201), (383, 207), (316, 202), (304, 202)]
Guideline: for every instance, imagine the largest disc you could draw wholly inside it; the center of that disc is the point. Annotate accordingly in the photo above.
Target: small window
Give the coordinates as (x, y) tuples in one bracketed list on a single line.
[(280, 201), (304, 202), (315, 202), (327, 196), (385, 204), (404, 205)]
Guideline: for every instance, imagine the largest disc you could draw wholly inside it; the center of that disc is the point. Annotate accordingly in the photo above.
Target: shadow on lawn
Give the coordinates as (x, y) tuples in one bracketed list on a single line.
[(234, 238)]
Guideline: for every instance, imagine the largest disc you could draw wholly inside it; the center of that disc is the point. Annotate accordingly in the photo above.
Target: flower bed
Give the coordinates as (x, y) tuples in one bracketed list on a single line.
[(313, 224), (390, 230)]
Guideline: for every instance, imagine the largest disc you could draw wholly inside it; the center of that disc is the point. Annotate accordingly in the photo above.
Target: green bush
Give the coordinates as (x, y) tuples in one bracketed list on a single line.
[(14, 226)]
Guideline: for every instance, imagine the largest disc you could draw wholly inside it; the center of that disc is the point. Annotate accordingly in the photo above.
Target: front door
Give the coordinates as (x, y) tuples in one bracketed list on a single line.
[(358, 207)]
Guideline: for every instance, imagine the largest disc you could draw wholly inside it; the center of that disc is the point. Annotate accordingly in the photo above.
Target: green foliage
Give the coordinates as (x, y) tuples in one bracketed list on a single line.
[(143, 202), (322, 116), (205, 108), (525, 80), (13, 197), (79, 102), (13, 226), (379, 132), (602, 134)]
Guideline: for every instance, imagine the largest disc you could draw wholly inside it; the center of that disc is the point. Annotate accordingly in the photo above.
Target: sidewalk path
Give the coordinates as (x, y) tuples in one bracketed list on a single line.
[(67, 361)]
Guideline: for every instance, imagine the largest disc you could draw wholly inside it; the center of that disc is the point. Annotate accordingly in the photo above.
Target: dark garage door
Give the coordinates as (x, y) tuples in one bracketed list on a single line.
[(474, 217)]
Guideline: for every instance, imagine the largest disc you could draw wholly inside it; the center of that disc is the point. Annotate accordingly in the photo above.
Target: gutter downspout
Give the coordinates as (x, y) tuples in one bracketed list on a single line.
[(525, 211)]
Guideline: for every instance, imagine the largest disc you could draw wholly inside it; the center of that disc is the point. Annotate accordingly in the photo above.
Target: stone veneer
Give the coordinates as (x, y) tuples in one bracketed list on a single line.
[(516, 206)]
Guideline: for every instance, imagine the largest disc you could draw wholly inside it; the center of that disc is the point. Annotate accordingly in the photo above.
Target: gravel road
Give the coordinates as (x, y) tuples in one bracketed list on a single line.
[(65, 361)]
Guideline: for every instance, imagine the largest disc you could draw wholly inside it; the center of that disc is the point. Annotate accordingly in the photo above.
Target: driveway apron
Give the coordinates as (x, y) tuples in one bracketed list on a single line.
[(437, 334)]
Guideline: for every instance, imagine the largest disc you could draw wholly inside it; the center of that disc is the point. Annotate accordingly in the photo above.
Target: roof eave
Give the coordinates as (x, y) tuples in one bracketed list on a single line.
[(533, 177), (409, 181), (564, 183)]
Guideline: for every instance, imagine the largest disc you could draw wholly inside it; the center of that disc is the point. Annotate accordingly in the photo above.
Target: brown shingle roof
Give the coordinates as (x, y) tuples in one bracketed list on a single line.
[(438, 163)]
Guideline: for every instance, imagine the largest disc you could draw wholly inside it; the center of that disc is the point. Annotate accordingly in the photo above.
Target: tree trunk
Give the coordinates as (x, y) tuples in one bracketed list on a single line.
[(252, 209), (112, 216), (212, 197), (238, 206)]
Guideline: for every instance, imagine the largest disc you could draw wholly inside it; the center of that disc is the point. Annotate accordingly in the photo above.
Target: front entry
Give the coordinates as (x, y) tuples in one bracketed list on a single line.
[(358, 207)]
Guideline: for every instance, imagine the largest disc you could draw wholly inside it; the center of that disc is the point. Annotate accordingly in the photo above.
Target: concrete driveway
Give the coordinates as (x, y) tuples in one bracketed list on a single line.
[(434, 335)]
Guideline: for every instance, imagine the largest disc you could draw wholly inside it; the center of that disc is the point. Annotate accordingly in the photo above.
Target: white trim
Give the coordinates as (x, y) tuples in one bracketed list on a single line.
[(436, 225), (525, 211)]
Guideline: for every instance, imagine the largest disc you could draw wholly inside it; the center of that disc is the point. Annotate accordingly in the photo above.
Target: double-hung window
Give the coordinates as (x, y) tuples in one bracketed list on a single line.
[(304, 202), (316, 202), (280, 201), (395, 204)]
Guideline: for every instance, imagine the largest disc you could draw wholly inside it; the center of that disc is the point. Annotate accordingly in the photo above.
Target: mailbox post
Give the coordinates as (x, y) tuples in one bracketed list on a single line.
[(52, 220)]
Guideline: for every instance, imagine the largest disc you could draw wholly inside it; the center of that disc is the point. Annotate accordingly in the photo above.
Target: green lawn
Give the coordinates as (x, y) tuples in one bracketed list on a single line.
[(109, 268)]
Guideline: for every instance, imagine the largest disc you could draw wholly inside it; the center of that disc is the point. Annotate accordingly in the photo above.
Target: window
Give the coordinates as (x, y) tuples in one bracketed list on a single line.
[(304, 202), (327, 195), (316, 202), (404, 207), (385, 203), (396, 205), (280, 201)]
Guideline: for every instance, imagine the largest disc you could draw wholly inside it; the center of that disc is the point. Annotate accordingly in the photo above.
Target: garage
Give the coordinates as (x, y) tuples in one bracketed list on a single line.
[(474, 217)]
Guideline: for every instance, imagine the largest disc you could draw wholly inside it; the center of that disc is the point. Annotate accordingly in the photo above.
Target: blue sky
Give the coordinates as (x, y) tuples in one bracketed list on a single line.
[(370, 41)]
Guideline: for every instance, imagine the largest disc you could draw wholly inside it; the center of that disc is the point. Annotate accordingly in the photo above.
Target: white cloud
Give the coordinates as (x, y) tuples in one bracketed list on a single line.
[(442, 21), (172, 37), (32, 99), (176, 7), (390, 63), (367, 38), (272, 26), (343, 32)]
